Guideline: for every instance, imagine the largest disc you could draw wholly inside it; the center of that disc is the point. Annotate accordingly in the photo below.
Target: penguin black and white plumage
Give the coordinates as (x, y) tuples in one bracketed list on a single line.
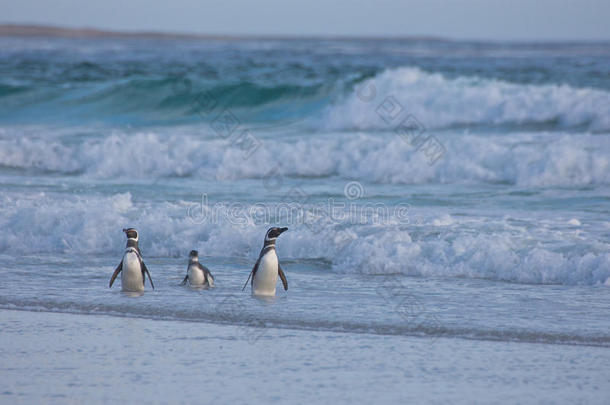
[(267, 268), (196, 273), (132, 266)]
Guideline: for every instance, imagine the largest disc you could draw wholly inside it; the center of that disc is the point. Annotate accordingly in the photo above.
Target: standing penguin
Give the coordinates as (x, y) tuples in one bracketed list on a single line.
[(133, 267), (267, 268), (196, 273)]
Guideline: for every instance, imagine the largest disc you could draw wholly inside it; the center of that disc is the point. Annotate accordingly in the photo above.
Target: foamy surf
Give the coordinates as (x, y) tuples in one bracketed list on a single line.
[(516, 248), (440, 102), (523, 159)]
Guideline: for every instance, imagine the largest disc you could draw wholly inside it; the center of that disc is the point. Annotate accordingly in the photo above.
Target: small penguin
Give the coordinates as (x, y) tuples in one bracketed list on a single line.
[(133, 267), (267, 268), (196, 273)]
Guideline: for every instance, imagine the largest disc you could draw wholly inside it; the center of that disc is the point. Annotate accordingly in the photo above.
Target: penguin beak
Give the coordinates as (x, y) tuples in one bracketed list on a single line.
[(282, 230)]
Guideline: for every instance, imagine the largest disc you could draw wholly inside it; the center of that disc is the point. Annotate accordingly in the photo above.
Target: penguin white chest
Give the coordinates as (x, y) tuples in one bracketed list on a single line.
[(131, 276), (266, 275), (195, 275)]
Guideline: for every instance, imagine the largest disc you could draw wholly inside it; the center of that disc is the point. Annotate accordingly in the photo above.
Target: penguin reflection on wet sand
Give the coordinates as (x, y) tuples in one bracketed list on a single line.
[(267, 268), (132, 266), (196, 273)]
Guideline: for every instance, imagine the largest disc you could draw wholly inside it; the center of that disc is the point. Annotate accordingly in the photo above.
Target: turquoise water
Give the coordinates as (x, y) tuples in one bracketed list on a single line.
[(443, 191)]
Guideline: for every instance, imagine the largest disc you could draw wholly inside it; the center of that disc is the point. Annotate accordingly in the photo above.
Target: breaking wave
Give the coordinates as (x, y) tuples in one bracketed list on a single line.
[(440, 102), (343, 100)]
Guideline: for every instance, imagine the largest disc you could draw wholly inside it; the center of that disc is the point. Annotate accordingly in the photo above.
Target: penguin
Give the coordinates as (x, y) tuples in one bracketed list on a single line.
[(196, 273), (133, 267), (267, 267)]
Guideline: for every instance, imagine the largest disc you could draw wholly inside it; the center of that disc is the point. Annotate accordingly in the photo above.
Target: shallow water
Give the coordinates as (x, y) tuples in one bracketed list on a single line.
[(73, 358)]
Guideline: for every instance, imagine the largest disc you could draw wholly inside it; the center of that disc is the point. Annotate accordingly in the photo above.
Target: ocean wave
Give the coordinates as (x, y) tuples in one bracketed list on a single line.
[(175, 91), (346, 101), (440, 102), (139, 99), (526, 159), (539, 251)]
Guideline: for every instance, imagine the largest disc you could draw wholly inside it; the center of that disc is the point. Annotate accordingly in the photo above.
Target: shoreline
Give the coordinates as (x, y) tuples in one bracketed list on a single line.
[(52, 31), (253, 326), (54, 358), (25, 30)]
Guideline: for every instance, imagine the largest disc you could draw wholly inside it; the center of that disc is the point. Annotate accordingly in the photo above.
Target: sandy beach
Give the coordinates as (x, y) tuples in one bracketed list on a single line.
[(66, 358)]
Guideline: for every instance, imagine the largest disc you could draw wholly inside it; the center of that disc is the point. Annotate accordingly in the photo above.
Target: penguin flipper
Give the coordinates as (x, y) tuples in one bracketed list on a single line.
[(207, 274), (252, 273), (283, 277), (186, 278), (145, 270), (209, 278), (255, 269), (115, 274)]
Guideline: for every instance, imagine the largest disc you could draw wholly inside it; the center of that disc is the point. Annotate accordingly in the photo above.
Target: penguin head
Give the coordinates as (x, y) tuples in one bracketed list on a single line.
[(193, 254), (131, 233), (274, 232)]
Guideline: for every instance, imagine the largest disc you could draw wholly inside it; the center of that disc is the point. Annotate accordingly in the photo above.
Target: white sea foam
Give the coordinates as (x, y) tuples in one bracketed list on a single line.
[(574, 222), (439, 102), (552, 251), (525, 159)]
